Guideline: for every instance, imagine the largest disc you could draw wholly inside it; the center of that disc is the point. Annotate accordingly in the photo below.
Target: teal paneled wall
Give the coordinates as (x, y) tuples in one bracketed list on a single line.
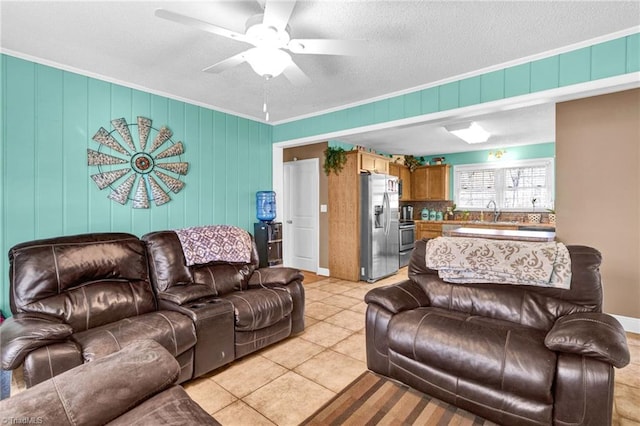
[(49, 117), (524, 152), (339, 144), (608, 59)]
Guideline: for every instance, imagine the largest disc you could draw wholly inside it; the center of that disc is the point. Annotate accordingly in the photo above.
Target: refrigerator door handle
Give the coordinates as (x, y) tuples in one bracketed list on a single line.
[(387, 216)]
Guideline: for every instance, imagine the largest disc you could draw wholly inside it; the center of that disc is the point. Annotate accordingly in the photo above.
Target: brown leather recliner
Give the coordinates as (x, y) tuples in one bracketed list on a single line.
[(130, 387), (516, 355), (79, 298), (251, 307)]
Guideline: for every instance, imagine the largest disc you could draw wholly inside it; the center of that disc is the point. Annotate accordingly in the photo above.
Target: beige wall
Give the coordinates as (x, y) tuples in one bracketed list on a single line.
[(598, 189), (304, 153)]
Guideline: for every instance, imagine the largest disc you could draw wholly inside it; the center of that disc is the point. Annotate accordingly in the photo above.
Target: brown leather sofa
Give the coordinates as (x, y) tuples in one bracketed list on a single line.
[(516, 355), (129, 387), (79, 298), (251, 307)]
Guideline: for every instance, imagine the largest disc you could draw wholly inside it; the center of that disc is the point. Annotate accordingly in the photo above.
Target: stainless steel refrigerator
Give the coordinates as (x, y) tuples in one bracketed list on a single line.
[(379, 243)]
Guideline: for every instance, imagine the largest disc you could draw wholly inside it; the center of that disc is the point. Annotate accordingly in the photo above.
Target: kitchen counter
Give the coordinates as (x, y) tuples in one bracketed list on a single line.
[(502, 234), (487, 224)]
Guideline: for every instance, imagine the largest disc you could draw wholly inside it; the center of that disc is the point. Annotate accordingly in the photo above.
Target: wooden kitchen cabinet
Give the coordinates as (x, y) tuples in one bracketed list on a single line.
[(402, 172), (428, 230), (430, 183), (373, 162), (344, 220)]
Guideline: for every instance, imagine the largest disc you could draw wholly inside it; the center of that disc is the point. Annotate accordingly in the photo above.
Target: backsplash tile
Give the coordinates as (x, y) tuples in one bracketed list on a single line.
[(473, 215)]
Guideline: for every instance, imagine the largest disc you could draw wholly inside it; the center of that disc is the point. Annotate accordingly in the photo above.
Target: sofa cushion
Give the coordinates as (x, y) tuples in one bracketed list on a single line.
[(171, 407), (168, 266), (97, 303), (86, 280), (172, 330), (95, 393), (499, 354), (259, 308), (223, 278), (544, 305), (523, 305)]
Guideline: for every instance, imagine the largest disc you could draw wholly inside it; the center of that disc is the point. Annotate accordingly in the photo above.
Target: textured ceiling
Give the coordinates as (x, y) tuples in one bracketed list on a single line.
[(409, 44)]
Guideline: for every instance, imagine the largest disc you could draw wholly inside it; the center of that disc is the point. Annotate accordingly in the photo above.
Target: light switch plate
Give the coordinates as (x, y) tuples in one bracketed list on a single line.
[(323, 208)]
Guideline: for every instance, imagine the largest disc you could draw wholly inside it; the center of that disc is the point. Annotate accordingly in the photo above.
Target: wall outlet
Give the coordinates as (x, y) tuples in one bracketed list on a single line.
[(323, 208)]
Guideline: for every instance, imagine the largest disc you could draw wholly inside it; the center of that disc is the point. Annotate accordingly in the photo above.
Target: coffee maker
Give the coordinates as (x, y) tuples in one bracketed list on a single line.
[(406, 213)]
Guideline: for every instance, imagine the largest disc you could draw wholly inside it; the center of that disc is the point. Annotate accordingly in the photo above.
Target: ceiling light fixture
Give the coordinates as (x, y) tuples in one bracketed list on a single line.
[(469, 132), (267, 61), (497, 155)]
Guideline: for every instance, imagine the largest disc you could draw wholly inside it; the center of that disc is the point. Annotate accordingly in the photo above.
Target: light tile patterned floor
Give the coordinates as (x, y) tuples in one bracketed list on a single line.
[(289, 381)]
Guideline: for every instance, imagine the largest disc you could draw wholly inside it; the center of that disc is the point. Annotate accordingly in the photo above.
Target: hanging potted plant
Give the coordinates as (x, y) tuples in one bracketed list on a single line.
[(334, 160), (534, 217)]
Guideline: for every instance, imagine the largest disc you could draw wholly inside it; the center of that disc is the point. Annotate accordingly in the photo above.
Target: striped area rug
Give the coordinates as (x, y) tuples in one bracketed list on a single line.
[(376, 400)]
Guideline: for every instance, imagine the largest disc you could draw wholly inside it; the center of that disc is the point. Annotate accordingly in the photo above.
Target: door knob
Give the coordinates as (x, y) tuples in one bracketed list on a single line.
[(289, 221)]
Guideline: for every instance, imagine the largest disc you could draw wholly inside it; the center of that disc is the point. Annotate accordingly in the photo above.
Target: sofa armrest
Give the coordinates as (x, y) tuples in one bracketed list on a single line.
[(398, 297), (98, 391), (22, 333), (591, 334), (274, 276), (186, 293)]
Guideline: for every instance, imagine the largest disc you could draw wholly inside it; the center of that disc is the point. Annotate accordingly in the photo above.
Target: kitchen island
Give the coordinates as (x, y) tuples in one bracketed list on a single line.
[(438, 228), (502, 234)]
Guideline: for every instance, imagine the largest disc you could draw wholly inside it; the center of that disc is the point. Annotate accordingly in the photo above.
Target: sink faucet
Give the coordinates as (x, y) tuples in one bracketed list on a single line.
[(496, 213)]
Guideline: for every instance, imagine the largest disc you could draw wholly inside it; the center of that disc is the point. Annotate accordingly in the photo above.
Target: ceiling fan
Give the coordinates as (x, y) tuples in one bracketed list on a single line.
[(269, 33)]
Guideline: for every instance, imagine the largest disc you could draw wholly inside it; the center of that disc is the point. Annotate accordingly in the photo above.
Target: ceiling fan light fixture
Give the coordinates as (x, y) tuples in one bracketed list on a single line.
[(262, 35), (267, 61), (469, 132)]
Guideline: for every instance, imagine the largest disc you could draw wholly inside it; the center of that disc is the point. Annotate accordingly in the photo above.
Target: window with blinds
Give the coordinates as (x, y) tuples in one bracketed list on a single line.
[(511, 185)]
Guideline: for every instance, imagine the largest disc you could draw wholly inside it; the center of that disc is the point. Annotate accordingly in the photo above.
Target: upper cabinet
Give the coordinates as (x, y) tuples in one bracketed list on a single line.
[(402, 172), (430, 183), (373, 162)]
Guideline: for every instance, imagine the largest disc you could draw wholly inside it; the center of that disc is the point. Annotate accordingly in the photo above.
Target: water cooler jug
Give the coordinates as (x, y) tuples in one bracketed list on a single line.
[(265, 206)]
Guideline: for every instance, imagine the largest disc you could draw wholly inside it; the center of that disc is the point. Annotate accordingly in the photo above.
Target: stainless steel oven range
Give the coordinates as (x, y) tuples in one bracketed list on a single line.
[(407, 236)]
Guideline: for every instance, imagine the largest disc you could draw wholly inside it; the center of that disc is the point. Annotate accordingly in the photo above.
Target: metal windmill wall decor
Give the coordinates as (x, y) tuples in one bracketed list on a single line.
[(142, 163)]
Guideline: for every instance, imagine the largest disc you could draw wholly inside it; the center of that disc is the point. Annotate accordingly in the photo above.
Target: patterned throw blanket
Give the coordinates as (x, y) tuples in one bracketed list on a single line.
[(480, 260), (215, 243)]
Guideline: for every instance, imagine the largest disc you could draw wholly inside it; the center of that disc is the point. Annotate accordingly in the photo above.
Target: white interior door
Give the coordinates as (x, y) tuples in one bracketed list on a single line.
[(301, 216)]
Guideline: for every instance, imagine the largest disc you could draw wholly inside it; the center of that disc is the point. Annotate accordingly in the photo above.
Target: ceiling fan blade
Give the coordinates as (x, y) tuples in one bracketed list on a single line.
[(201, 25), (226, 64), (295, 75), (327, 46), (277, 13)]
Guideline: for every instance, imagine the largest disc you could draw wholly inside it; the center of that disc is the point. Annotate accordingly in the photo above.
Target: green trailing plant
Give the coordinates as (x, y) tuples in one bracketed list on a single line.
[(411, 162), (334, 160)]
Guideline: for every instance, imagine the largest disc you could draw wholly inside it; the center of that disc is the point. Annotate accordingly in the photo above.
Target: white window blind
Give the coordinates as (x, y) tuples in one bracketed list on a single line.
[(511, 185)]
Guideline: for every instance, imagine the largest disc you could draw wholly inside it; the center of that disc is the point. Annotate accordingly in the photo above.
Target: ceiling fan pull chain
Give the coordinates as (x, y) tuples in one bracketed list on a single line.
[(264, 94)]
